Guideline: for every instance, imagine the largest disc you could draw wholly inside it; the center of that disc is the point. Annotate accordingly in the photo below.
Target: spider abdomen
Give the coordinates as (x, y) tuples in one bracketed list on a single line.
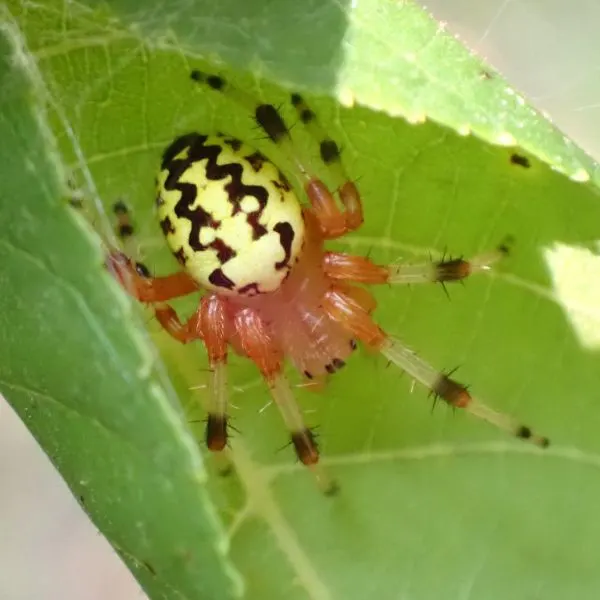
[(229, 216)]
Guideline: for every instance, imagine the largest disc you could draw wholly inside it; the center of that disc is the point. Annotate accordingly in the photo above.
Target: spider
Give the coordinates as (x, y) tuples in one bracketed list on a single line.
[(270, 290)]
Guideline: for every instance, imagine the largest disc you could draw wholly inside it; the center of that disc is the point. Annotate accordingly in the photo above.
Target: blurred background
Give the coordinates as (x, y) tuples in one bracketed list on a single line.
[(548, 49)]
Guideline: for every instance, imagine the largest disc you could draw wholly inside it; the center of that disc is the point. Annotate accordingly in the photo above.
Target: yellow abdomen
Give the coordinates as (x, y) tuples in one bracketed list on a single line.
[(229, 216)]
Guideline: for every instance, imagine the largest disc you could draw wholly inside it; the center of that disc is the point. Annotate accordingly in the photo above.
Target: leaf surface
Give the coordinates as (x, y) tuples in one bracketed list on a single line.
[(435, 506)]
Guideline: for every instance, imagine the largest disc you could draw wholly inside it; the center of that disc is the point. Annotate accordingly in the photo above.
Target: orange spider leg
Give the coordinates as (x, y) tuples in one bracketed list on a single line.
[(333, 222), (137, 281), (212, 323), (258, 345), (343, 309), (360, 295), (134, 276), (359, 269), (170, 322)]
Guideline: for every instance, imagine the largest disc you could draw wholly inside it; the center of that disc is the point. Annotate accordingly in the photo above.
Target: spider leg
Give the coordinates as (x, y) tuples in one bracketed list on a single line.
[(124, 225), (359, 269), (137, 281), (169, 320), (212, 324), (343, 309), (258, 345), (133, 275), (331, 156), (135, 278), (333, 222)]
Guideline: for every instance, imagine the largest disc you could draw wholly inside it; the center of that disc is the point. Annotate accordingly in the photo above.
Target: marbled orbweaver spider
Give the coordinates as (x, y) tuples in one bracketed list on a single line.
[(270, 289)]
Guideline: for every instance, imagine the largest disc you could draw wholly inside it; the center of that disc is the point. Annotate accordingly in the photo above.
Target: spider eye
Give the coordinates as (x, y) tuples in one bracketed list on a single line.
[(142, 270)]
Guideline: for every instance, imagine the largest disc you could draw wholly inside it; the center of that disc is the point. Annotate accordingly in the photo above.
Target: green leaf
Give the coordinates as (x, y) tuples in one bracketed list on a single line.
[(435, 506), (82, 378)]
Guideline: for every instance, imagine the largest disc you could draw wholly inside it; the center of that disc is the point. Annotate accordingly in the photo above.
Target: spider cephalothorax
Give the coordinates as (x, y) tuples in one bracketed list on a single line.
[(271, 291)]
